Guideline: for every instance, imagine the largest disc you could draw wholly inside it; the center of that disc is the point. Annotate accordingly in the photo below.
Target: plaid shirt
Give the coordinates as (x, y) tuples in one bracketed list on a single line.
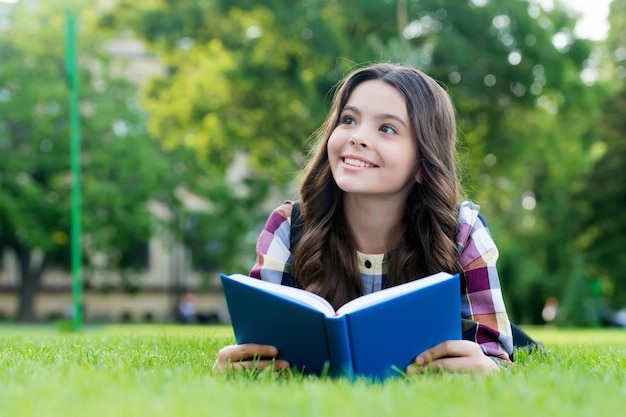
[(485, 320)]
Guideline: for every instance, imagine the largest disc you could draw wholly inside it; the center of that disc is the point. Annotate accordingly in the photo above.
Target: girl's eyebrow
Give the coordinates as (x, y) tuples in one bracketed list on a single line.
[(382, 116)]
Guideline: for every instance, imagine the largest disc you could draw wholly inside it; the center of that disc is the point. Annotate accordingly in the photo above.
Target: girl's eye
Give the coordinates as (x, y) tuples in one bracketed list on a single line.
[(388, 129), (347, 120)]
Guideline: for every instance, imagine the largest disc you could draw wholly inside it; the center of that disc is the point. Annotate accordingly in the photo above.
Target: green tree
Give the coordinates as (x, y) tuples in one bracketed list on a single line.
[(253, 77), (246, 80), (248, 76), (121, 168), (514, 72), (604, 191)]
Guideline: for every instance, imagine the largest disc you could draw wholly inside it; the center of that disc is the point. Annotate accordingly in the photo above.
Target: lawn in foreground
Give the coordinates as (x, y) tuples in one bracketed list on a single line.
[(167, 371)]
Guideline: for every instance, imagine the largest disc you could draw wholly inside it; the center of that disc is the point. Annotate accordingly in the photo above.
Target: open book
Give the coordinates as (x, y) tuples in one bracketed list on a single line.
[(377, 335)]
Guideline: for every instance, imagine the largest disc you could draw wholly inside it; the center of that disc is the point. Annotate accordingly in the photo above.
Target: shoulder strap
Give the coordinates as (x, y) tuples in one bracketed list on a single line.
[(521, 340), (297, 224)]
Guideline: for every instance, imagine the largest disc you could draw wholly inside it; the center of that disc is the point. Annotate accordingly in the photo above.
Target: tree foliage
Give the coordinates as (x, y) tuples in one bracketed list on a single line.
[(247, 82), (604, 191), (514, 71), (260, 83), (248, 75), (122, 168)]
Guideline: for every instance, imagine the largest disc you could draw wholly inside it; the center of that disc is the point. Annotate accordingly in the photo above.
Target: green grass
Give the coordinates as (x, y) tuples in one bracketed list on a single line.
[(166, 371)]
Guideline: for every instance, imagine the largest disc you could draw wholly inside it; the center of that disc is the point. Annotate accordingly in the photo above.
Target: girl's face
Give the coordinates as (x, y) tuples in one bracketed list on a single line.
[(372, 151)]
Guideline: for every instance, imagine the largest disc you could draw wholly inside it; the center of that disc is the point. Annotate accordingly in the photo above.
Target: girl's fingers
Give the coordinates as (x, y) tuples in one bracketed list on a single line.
[(450, 348), (236, 353), (249, 356), (259, 365), (453, 355), (480, 365)]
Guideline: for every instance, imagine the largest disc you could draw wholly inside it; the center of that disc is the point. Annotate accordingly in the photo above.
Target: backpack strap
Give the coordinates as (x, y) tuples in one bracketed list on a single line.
[(297, 225), (523, 341)]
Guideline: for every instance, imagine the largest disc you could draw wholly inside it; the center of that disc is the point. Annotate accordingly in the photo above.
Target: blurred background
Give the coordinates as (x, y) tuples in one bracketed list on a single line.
[(196, 116)]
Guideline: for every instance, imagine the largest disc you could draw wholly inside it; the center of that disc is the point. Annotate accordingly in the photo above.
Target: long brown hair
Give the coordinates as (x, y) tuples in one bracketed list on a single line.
[(324, 261)]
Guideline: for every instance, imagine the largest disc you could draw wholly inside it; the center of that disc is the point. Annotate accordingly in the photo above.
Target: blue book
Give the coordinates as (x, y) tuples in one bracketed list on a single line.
[(375, 336)]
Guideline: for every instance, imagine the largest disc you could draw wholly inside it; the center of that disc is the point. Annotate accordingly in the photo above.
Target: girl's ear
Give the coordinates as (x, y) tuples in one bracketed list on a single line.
[(418, 174)]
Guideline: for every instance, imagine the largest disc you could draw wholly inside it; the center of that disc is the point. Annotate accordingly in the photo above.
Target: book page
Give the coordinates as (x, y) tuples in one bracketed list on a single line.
[(388, 293), (296, 294)]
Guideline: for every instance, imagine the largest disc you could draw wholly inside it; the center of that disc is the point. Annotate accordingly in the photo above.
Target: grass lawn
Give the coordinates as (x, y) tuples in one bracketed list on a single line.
[(166, 371)]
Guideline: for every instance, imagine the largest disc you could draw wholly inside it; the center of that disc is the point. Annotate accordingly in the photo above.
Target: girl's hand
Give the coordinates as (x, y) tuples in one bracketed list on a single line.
[(249, 356), (454, 355)]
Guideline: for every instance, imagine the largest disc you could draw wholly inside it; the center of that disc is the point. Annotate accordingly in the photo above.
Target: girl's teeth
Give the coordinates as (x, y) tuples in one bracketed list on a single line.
[(356, 163)]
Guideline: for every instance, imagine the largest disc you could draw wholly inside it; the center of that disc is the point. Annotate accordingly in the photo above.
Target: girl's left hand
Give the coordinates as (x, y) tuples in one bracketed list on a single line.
[(456, 356)]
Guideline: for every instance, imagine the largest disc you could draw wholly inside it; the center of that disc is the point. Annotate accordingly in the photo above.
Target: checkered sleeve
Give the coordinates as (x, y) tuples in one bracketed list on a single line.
[(485, 320), (273, 248)]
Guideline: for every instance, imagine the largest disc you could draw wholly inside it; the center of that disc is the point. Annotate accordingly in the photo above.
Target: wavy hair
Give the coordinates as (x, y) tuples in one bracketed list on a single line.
[(324, 261)]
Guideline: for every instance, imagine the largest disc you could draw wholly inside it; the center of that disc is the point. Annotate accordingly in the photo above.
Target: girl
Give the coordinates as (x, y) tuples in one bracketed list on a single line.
[(380, 202)]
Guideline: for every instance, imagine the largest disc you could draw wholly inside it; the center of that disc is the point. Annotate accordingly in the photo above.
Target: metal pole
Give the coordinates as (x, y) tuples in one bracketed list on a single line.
[(72, 75)]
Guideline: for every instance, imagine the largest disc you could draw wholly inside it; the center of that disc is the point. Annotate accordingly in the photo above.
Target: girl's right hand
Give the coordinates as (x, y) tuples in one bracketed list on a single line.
[(249, 356)]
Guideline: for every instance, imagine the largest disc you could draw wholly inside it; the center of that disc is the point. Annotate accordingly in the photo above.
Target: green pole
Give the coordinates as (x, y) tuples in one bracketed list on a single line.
[(72, 75)]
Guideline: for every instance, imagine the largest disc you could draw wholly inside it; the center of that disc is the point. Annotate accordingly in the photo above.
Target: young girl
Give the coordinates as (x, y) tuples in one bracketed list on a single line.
[(381, 205)]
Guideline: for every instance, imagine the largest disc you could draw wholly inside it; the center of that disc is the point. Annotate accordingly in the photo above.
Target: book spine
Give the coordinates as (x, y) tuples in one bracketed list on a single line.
[(339, 347)]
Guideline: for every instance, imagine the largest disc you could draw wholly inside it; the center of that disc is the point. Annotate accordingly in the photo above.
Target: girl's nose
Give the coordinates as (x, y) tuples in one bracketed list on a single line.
[(357, 141)]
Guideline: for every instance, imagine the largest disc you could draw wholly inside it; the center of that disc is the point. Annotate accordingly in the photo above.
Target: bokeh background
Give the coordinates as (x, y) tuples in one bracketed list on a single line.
[(197, 115)]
